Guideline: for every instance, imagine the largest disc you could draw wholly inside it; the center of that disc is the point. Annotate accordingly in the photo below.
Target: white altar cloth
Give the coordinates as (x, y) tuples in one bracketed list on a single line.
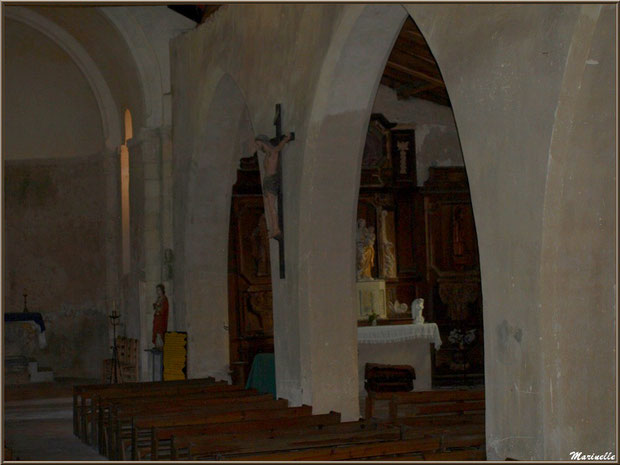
[(399, 333), (398, 345)]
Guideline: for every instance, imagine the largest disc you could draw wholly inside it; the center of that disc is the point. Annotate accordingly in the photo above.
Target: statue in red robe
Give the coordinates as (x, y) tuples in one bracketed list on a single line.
[(160, 317)]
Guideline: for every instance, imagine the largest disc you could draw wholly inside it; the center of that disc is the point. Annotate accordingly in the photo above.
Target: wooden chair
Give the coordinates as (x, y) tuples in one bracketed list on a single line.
[(127, 350)]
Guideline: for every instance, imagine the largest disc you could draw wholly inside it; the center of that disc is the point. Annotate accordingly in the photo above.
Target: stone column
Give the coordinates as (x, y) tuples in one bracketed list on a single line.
[(166, 219), (112, 238), (148, 144)]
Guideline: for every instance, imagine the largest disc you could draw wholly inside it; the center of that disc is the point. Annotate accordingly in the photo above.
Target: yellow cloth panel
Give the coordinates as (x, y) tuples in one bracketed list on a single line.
[(175, 356)]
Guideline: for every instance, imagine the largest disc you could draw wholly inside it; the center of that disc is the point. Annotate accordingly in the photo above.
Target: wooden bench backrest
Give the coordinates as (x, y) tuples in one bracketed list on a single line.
[(344, 452), (442, 420), (165, 390), (117, 403), (336, 437), (266, 425), (438, 402), (304, 431), (88, 389), (424, 397), (159, 421), (187, 403), (194, 409)]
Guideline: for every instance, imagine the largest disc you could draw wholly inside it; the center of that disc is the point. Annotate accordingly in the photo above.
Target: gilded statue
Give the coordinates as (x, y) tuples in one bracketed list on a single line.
[(365, 250)]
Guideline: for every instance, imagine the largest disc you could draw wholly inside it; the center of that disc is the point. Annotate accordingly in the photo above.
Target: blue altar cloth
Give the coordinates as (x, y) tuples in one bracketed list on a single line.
[(26, 316)]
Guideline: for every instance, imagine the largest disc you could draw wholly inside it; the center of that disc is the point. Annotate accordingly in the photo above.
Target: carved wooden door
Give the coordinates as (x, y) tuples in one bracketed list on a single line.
[(250, 299)]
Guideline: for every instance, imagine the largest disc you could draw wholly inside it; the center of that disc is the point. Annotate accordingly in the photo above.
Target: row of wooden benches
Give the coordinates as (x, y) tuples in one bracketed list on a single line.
[(209, 420)]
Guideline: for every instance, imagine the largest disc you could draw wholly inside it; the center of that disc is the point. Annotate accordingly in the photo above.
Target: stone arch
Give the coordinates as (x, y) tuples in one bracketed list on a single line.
[(507, 101), (146, 62), (214, 161), (110, 115), (339, 119)]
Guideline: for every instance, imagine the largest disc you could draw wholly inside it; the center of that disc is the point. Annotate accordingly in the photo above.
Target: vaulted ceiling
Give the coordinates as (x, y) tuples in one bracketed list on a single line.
[(411, 69)]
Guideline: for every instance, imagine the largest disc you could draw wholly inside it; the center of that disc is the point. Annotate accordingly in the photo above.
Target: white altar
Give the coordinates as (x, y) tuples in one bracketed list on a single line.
[(398, 345)]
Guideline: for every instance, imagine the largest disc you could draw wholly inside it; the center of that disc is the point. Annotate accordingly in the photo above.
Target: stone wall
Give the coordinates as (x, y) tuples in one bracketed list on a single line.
[(54, 229)]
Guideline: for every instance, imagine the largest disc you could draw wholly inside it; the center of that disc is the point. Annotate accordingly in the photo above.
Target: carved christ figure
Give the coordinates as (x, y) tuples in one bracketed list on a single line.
[(365, 250), (271, 180)]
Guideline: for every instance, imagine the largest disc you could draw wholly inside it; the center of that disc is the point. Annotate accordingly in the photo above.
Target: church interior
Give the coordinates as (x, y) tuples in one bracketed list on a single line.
[(309, 232)]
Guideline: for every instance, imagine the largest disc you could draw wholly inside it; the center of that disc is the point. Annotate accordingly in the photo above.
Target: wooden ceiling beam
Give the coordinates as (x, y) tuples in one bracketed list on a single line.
[(414, 91), (408, 47), (414, 63), (415, 73), (400, 77)]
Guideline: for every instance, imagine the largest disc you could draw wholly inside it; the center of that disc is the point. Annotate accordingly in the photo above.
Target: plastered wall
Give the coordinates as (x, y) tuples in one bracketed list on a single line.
[(54, 203), (578, 258), (506, 68), (56, 253), (436, 137)]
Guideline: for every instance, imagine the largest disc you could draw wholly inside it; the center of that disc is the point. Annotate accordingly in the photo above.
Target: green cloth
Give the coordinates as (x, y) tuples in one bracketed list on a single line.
[(263, 374)]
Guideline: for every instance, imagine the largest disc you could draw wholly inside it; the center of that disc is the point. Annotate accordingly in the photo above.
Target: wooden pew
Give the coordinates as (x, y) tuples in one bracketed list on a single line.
[(378, 449), (141, 425), (84, 389), (83, 394), (427, 403), (90, 398), (162, 437), (109, 410), (218, 447), (99, 402), (456, 418), (371, 399), (235, 418)]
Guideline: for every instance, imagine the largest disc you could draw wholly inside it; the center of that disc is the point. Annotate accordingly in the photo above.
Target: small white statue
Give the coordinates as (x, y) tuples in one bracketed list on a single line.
[(397, 307), (416, 311)]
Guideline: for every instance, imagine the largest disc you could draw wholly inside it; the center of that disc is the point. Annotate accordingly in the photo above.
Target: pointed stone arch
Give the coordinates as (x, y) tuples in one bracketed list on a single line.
[(203, 239)]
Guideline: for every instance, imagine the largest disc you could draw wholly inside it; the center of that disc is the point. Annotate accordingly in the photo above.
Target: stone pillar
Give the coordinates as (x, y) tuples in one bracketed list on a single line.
[(147, 148), (166, 216), (112, 238)]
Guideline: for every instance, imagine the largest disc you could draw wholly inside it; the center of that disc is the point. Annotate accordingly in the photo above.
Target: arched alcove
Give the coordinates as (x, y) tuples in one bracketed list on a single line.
[(339, 121), (224, 140)]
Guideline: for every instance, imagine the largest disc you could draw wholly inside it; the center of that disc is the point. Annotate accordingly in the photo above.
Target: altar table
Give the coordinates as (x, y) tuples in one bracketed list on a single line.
[(34, 318), (398, 345)]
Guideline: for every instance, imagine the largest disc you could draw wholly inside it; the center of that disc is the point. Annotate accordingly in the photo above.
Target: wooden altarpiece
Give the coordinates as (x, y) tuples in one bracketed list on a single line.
[(249, 273)]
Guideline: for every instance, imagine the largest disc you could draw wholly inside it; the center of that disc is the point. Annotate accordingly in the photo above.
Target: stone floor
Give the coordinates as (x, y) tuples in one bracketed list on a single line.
[(38, 425)]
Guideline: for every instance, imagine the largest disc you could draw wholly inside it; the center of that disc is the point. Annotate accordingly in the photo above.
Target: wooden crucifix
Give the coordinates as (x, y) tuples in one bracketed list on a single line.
[(272, 182)]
